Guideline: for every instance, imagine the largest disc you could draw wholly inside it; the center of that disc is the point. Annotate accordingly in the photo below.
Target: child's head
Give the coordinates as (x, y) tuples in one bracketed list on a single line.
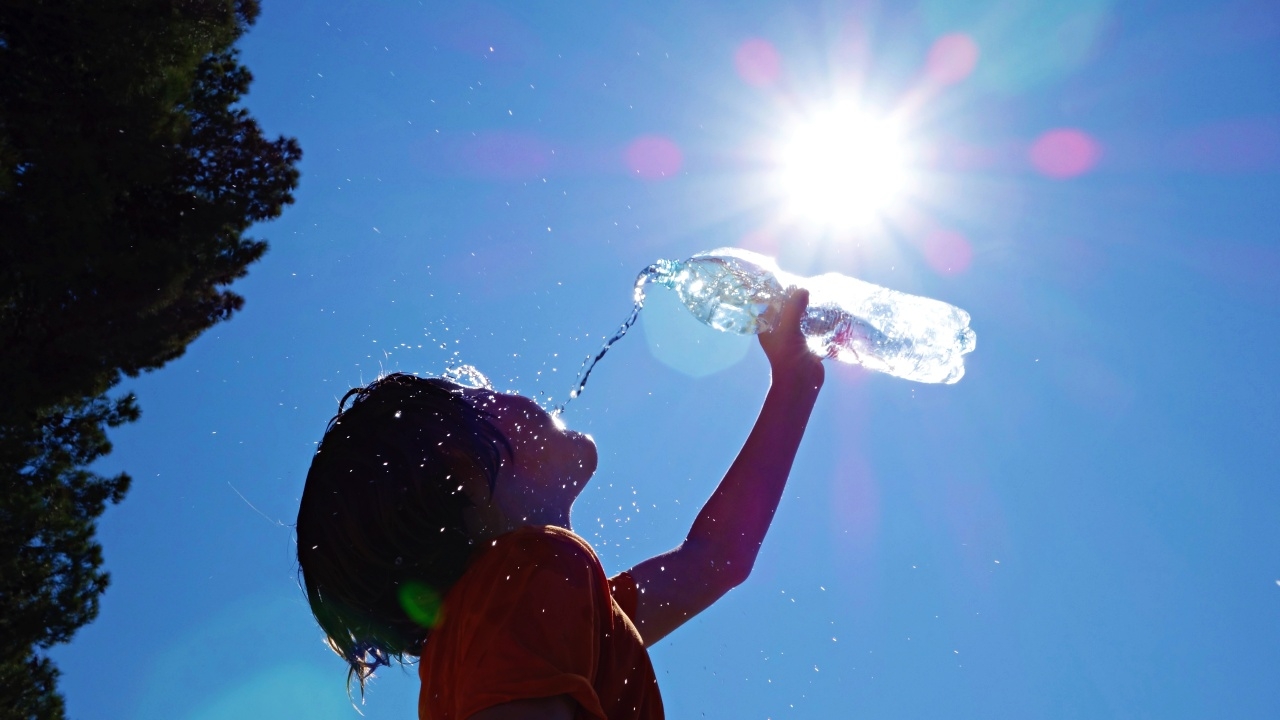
[(405, 483), (382, 532)]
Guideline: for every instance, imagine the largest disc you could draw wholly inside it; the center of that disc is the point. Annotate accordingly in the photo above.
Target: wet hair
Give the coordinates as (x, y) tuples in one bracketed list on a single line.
[(381, 536)]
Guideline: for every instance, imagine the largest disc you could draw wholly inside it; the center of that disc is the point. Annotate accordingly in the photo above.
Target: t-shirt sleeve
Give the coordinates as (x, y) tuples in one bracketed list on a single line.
[(623, 588), (537, 635)]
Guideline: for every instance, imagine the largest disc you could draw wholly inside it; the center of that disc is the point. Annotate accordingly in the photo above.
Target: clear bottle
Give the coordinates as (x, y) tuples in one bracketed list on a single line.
[(853, 321)]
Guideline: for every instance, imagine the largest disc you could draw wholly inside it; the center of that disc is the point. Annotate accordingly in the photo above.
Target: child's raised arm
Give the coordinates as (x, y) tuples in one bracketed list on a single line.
[(725, 538)]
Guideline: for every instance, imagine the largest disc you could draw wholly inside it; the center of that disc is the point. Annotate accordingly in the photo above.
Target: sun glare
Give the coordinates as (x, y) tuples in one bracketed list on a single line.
[(842, 168)]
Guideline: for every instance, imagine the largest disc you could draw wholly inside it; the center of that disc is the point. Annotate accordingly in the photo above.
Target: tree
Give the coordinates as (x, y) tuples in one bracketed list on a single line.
[(129, 175)]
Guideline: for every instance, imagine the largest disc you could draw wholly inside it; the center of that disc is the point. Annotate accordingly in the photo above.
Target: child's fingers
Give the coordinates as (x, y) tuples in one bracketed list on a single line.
[(785, 346), (793, 310)]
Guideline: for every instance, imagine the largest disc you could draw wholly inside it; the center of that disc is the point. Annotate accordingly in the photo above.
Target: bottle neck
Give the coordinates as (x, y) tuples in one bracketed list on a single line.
[(662, 272)]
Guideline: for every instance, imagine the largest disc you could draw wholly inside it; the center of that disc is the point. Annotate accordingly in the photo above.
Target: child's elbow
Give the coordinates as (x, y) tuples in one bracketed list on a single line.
[(734, 572), (722, 567)]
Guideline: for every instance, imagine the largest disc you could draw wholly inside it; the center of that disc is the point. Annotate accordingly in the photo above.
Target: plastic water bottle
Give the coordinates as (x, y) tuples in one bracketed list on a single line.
[(853, 321), (734, 290)]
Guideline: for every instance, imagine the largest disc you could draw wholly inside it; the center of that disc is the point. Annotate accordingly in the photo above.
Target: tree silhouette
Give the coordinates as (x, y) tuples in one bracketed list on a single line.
[(128, 177)]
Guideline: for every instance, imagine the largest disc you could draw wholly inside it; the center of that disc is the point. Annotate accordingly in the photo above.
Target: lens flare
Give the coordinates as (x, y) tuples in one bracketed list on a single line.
[(420, 603), (757, 62), (653, 157), (1065, 153), (842, 168), (951, 59), (947, 252)]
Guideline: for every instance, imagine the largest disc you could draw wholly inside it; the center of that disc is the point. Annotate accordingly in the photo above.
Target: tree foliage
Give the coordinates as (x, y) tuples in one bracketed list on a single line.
[(129, 175)]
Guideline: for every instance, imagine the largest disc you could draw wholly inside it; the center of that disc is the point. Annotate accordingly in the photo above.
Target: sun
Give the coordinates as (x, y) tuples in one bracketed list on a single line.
[(841, 168)]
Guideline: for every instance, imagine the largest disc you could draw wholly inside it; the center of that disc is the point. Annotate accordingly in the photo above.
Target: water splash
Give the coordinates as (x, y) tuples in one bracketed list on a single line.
[(468, 375), (653, 273)]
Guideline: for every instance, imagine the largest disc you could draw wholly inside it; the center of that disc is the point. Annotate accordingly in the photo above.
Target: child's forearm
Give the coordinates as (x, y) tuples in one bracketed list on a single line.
[(733, 523), (722, 545)]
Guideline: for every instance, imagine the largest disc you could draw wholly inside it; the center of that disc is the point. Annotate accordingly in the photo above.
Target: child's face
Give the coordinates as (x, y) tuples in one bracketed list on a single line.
[(550, 464)]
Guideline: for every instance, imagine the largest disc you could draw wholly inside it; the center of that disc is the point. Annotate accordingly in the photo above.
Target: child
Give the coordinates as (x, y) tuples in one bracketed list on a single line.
[(435, 523)]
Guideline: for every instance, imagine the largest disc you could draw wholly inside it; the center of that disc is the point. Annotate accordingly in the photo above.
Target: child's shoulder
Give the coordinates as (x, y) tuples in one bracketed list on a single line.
[(546, 539), (545, 546)]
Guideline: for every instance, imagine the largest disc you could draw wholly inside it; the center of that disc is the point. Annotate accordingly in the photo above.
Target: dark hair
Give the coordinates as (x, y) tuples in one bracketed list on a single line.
[(381, 537)]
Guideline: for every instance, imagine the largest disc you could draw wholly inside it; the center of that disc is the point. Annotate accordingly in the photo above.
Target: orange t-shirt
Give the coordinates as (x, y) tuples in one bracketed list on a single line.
[(534, 616)]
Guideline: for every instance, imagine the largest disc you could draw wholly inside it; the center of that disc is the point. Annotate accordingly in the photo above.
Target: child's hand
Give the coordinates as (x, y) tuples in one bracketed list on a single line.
[(785, 347)]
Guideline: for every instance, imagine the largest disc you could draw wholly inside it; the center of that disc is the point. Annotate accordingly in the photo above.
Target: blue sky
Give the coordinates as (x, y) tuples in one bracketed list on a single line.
[(1084, 527)]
